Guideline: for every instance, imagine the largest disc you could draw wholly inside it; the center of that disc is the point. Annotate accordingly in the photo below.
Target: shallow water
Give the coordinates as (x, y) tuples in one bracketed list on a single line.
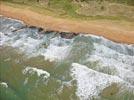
[(47, 67)]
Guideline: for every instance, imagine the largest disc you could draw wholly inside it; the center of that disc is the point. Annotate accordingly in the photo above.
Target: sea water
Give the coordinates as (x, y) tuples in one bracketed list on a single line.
[(46, 66)]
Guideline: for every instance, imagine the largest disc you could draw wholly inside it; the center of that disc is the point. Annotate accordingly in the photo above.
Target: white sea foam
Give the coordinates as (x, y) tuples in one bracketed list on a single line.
[(123, 64), (106, 52), (4, 84), (16, 20), (40, 72), (3, 38), (93, 36), (27, 45), (90, 83), (55, 51)]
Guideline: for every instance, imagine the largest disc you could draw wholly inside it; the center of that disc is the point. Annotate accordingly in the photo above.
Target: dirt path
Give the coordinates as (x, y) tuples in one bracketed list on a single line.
[(112, 31)]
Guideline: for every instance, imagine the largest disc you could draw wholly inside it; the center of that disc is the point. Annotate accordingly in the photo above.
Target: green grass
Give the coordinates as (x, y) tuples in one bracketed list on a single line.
[(62, 9)]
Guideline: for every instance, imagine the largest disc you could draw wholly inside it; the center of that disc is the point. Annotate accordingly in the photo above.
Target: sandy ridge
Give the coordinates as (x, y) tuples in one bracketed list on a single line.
[(110, 31)]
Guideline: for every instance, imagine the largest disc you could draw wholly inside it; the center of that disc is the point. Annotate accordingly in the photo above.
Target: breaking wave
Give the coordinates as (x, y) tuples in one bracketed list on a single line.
[(98, 65)]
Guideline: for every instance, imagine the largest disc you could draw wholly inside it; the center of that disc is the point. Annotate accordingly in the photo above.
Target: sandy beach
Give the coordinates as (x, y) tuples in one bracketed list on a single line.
[(112, 31)]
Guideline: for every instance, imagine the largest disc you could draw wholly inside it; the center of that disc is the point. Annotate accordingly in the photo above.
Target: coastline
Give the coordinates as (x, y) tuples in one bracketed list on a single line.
[(107, 30)]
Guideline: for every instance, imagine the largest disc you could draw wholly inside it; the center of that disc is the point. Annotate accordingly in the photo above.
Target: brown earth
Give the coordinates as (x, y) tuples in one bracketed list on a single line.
[(122, 32)]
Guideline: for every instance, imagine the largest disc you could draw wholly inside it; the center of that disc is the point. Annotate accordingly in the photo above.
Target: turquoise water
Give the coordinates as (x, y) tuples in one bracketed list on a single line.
[(46, 66)]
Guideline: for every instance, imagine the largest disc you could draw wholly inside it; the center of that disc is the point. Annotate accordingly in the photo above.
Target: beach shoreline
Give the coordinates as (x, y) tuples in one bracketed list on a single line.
[(113, 32)]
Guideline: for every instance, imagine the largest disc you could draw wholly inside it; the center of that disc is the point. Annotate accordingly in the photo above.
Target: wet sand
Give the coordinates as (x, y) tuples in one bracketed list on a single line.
[(112, 31)]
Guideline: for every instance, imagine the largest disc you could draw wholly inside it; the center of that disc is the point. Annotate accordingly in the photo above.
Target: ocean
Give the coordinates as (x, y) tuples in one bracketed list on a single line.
[(43, 65)]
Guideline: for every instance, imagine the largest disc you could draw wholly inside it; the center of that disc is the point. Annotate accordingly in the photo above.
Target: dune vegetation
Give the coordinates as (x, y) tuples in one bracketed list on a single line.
[(81, 9)]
